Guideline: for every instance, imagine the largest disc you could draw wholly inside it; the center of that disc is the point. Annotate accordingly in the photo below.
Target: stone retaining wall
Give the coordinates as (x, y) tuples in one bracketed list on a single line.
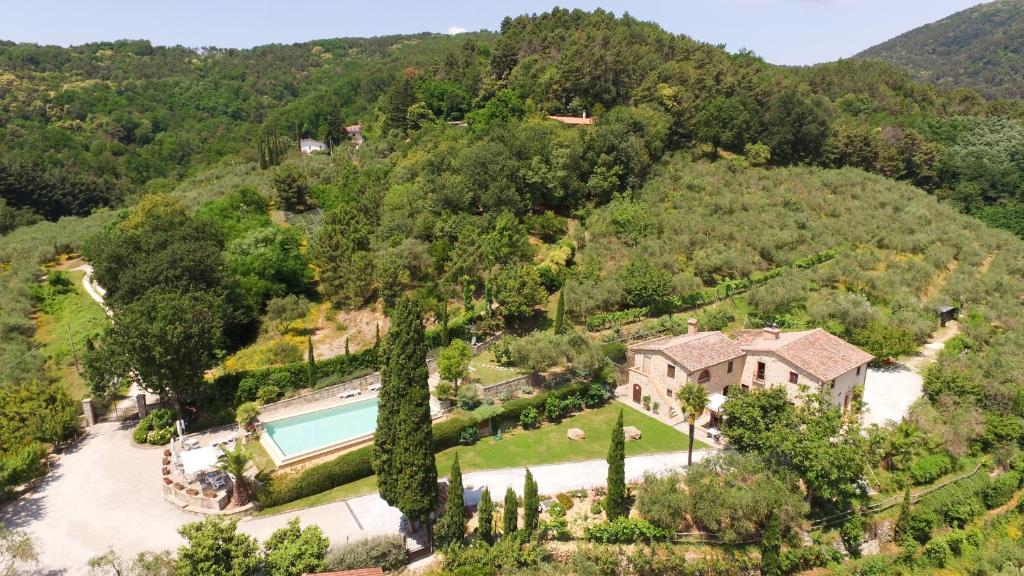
[(321, 394), (494, 391)]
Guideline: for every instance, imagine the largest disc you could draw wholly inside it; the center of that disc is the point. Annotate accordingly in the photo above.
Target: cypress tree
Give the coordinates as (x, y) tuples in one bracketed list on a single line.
[(560, 313), (467, 293), (902, 528), (771, 546), (376, 338), (485, 517), (346, 346), (615, 500), (443, 313), (511, 518), (403, 456), (310, 363), (531, 503), (451, 529)]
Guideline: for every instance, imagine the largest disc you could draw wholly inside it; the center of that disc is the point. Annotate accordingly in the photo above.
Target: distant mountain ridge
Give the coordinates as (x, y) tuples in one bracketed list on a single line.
[(981, 48)]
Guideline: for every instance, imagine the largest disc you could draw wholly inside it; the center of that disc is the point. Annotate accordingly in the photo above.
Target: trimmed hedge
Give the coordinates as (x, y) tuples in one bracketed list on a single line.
[(346, 468), (958, 503)]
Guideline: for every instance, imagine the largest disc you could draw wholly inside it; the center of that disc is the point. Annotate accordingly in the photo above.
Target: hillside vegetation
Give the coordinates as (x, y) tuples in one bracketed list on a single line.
[(980, 48)]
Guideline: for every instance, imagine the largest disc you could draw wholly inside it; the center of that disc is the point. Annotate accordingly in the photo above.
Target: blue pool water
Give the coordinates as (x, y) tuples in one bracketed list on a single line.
[(323, 428)]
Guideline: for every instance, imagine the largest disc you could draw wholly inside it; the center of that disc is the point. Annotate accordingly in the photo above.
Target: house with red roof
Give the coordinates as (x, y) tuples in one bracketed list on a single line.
[(755, 359)]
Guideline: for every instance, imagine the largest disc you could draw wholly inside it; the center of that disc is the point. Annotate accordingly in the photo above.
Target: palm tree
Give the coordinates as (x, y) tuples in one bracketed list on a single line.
[(234, 464), (693, 400)]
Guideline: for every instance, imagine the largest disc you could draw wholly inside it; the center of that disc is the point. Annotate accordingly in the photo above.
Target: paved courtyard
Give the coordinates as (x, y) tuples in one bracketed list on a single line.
[(106, 493)]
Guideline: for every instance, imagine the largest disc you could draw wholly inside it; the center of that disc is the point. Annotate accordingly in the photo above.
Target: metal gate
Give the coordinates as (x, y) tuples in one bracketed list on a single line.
[(121, 413)]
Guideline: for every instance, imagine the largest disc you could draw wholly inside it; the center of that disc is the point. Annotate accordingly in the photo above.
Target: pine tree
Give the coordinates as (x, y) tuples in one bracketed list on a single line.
[(310, 363), (511, 518), (485, 517), (451, 529), (771, 546), (560, 313), (615, 500), (403, 456), (531, 503)]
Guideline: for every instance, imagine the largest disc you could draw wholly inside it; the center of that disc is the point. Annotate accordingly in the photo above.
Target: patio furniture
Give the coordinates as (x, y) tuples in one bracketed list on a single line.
[(715, 434), (373, 387), (349, 393)]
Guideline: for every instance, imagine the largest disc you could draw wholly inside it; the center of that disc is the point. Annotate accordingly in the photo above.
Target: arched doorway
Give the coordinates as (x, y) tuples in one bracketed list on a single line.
[(636, 393)]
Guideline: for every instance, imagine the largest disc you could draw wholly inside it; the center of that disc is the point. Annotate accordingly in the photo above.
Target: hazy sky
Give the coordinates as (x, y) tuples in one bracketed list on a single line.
[(781, 31)]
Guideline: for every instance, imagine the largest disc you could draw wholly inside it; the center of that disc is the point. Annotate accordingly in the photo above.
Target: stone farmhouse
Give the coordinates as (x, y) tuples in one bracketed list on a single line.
[(754, 359)]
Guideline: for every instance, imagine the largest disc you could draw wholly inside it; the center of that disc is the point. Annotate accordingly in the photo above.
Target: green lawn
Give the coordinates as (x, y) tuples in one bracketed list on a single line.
[(73, 318), (484, 370), (545, 445)]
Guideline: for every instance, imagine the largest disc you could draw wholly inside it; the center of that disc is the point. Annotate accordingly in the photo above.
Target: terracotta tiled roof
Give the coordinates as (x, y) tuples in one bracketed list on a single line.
[(573, 120), (354, 128), (695, 351), (359, 572), (818, 352)]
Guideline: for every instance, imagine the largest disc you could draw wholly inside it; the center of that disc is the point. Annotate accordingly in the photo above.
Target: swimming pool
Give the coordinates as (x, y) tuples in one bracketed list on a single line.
[(323, 429)]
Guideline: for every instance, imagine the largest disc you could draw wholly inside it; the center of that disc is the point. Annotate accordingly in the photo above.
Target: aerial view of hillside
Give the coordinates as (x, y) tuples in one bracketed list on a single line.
[(544, 291)]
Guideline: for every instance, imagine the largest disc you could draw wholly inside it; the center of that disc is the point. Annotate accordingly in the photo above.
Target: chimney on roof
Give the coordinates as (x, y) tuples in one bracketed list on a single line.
[(692, 322), (771, 333)]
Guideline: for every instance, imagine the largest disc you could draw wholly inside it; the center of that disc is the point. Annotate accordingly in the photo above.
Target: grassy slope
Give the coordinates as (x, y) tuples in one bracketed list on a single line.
[(546, 445), (75, 318)]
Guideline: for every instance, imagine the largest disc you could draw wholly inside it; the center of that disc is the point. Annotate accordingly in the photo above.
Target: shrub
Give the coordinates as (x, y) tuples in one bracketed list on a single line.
[(930, 468), (852, 533), (268, 394), (937, 553), (386, 552), (468, 435), (919, 524), (958, 503), (529, 418), (468, 397), (794, 560), (624, 530), (1001, 490), (142, 430), (614, 351), (161, 417), (554, 409), (21, 465), (565, 500), (160, 436)]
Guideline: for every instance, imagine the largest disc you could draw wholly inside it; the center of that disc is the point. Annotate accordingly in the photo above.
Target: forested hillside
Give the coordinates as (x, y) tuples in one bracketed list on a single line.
[(980, 48), (846, 195)]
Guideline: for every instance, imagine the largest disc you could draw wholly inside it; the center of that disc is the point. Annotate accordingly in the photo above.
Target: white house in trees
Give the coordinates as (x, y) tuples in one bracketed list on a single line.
[(308, 146)]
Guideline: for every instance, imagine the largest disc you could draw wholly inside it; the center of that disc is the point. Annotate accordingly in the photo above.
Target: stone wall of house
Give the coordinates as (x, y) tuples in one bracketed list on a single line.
[(321, 394), (776, 374)]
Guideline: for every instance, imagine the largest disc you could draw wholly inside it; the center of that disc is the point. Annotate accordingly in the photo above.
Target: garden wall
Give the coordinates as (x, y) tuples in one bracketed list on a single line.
[(494, 391), (321, 394)]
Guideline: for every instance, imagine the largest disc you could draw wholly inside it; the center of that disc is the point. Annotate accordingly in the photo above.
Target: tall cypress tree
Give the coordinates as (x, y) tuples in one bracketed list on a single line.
[(560, 313), (451, 529), (310, 363), (511, 519), (403, 456), (346, 346), (902, 527), (485, 517), (531, 503), (771, 546), (615, 501)]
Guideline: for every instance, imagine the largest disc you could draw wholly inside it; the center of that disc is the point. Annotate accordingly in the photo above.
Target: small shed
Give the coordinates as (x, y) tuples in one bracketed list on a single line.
[(309, 145), (947, 313)]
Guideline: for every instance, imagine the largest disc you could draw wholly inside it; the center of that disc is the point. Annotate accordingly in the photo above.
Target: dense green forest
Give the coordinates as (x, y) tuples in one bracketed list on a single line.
[(980, 48), (832, 196)]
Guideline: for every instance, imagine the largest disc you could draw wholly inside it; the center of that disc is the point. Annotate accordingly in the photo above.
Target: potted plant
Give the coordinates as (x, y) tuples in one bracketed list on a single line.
[(167, 481), (192, 492), (165, 471)]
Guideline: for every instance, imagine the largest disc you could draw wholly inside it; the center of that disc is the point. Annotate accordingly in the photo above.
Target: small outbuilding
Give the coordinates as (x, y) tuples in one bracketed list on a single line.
[(309, 145)]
